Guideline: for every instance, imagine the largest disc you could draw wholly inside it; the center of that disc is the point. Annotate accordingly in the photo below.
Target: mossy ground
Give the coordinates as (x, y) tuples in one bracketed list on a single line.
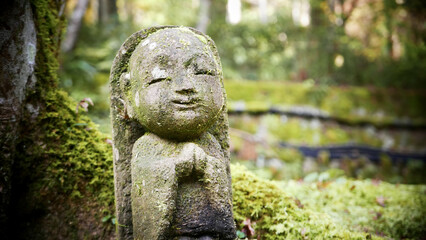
[(276, 215), (392, 211), (339, 209)]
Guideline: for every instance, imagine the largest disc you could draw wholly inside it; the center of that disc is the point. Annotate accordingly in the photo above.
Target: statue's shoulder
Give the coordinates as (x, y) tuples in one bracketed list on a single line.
[(151, 145), (150, 140), (210, 145), (146, 145), (147, 138)]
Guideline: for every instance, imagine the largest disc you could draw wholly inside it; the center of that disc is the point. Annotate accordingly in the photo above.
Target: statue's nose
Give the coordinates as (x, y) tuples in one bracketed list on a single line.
[(185, 85)]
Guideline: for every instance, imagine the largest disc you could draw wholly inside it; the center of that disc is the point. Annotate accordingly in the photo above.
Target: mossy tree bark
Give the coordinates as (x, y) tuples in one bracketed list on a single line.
[(56, 169), (17, 49)]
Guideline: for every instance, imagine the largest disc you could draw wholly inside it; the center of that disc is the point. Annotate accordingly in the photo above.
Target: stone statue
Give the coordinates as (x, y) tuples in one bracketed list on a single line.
[(170, 132)]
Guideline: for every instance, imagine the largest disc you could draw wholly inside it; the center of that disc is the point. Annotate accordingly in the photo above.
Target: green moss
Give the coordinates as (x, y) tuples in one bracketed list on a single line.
[(276, 214), (69, 155), (394, 211), (187, 30), (50, 27), (201, 38), (80, 158)]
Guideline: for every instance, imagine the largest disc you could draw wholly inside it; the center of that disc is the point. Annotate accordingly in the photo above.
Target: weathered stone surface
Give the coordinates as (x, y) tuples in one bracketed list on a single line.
[(171, 156)]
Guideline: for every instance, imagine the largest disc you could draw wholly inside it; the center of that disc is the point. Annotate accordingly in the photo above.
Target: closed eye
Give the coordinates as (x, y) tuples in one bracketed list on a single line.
[(156, 80), (205, 72)]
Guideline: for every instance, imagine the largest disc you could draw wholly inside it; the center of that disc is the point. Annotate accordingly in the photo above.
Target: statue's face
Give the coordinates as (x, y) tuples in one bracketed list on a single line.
[(175, 88)]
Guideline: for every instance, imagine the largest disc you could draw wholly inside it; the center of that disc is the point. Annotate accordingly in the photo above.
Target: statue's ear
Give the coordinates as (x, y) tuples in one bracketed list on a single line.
[(125, 87)]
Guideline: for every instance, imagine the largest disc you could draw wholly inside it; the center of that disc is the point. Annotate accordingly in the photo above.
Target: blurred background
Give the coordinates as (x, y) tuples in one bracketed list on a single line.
[(317, 89)]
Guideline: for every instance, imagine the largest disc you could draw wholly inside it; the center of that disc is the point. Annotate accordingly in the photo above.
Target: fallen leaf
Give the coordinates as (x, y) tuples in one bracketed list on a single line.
[(298, 203), (109, 141), (248, 229), (377, 215), (84, 103), (376, 182), (89, 100), (381, 201), (322, 185)]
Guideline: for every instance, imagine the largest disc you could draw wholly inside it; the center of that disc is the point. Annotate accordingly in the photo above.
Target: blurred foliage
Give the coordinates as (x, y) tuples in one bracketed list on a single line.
[(85, 71), (311, 66), (374, 43), (373, 40), (289, 163), (262, 137), (379, 43), (379, 105), (314, 133)]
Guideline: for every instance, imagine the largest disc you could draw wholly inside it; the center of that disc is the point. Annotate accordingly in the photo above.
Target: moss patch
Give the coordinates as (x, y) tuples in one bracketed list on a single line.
[(277, 215), (50, 26), (80, 157), (67, 171), (393, 211)]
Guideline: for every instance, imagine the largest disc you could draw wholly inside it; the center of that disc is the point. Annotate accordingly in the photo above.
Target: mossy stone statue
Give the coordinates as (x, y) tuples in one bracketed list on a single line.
[(170, 132)]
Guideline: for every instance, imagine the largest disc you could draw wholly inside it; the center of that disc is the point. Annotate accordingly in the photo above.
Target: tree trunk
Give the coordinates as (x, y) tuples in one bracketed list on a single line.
[(204, 16), (17, 49), (74, 25), (107, 10), (56, 170), (263, 11)]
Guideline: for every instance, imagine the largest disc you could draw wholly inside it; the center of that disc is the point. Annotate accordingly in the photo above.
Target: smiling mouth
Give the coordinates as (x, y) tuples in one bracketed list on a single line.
[(186, 103)]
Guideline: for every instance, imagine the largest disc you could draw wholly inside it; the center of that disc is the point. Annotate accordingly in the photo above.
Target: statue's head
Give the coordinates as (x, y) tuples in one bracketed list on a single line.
[(173, 87)]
